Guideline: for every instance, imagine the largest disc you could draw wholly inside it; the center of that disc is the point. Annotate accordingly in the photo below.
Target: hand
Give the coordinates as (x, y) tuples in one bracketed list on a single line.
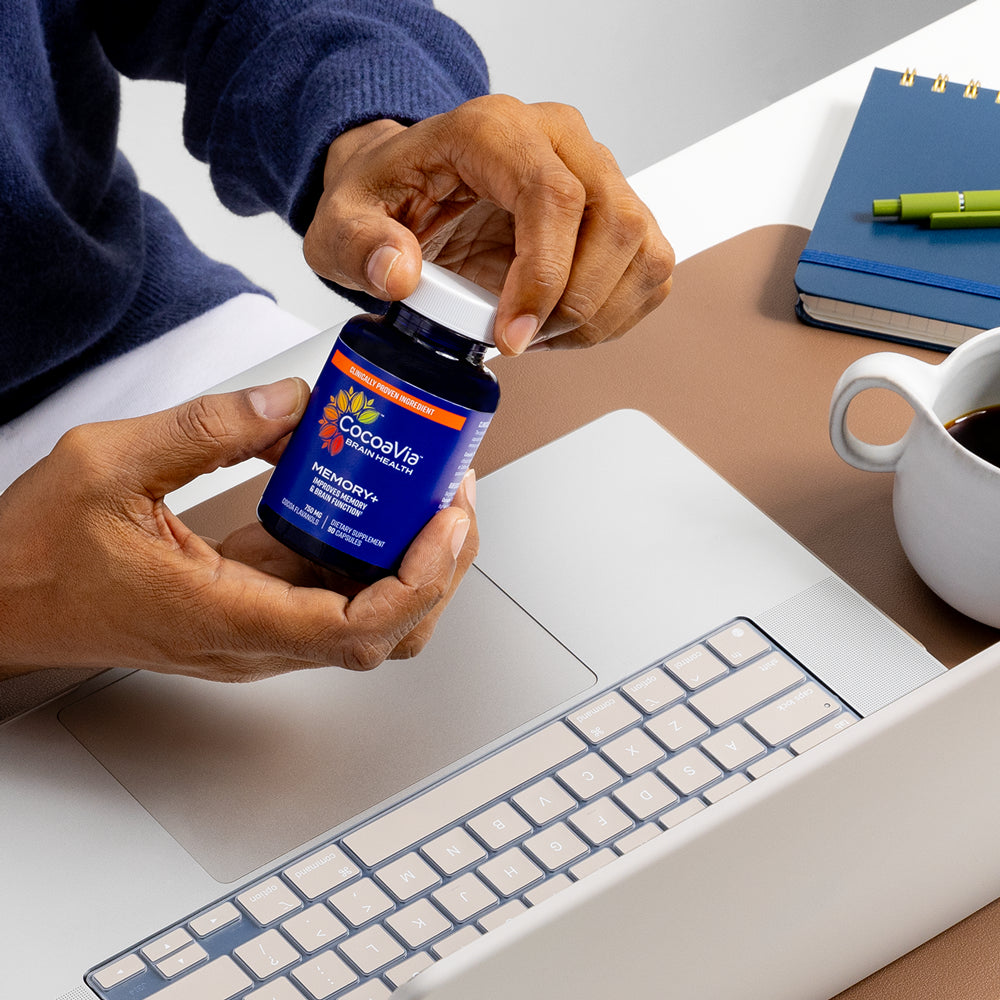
[(95, 570), (519, 198)]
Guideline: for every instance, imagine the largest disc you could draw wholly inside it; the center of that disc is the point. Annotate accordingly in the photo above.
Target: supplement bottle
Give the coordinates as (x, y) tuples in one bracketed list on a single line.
[(390, 429)]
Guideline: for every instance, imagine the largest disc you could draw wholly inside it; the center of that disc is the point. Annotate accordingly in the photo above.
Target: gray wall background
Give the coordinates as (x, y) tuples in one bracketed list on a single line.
[(650, 76)]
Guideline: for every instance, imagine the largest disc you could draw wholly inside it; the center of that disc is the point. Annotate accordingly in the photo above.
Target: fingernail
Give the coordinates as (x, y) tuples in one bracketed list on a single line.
[(469, 482), (519, 333), (380, 265), (278, 400), (458, 536)]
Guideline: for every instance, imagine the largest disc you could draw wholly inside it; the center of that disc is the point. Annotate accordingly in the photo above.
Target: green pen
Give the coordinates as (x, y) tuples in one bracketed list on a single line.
[(943, 209)]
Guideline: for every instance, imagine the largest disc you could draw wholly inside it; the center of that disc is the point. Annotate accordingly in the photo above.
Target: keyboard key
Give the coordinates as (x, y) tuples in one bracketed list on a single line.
[(406, 970), (544, 801), (603, 717), (652, 691), (372, 990), (215, 919), (637, 838), (267, 954), (774, 759), (510, 872), (677, 815), (644, 796), (449, 945), (279, 989), (418, 923), (695, 667), (555, 847), (589, 776), (163, 946), (268, 901), (362, 902), (324, 975), (600, 821), (118, 972), (747, 688), (792, 714), (445, 804), (821, 733), (632, 751), (689, 771), (453, 851), (502, 914), (464, 898), (676, 727), (407, 877), (726, 787), (738, 643), (733, 747), (314, 928), (181, 961), (321, 872), (548, 888), (592, 864), (499, 826), (222, 979), (372, 949)]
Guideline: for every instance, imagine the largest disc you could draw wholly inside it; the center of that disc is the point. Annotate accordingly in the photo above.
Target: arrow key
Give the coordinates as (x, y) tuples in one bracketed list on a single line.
[(182, 960), (214, 919)]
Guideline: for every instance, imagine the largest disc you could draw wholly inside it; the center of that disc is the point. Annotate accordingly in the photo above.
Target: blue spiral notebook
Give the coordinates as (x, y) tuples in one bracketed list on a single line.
[(901, 281)]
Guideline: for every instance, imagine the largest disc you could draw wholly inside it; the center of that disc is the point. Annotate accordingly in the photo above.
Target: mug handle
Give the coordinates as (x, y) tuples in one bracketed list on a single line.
[(915, 381)]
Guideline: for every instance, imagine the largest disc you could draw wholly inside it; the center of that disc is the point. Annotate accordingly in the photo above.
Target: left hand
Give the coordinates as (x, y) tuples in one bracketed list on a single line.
[(519, 198)]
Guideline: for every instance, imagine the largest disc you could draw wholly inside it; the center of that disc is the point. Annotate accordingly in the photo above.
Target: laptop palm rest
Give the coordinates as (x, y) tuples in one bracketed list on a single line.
[(240, 775)]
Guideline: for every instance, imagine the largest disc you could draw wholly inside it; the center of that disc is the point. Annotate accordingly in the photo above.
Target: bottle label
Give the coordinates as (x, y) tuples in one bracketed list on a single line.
[(372, 460)]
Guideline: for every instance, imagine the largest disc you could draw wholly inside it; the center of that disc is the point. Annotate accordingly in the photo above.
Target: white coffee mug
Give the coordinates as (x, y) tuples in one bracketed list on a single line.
[(945, 500)]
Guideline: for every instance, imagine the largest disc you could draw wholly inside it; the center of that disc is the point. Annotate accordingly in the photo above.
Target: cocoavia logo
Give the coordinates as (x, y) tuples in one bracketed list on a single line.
[(350, 402)]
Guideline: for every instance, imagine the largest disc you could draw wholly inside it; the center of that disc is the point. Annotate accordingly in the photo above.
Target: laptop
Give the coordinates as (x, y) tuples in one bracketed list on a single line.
[(473, 822)]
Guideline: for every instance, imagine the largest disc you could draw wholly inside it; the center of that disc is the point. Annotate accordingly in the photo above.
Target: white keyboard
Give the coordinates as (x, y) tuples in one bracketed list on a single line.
[(360, 916)]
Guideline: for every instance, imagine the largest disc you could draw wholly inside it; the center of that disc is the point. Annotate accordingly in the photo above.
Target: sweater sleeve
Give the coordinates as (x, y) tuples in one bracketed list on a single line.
[(271, 83)]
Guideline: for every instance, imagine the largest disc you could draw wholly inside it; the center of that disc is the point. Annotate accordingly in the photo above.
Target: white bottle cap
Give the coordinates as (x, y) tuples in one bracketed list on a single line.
[(455, 302)]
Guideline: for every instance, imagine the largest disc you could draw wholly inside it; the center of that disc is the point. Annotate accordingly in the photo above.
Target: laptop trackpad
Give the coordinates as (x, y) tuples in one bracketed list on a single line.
[(241, 774)]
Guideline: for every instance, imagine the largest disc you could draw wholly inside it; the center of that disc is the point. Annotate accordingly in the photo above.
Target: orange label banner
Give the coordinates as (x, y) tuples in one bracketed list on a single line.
[(397, 396)]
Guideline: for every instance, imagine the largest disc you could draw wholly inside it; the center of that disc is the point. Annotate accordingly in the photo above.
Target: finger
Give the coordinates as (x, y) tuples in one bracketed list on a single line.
[(165, 450), (620, 252), (424, 581), (354, 242), (418, 638), (641, 289)]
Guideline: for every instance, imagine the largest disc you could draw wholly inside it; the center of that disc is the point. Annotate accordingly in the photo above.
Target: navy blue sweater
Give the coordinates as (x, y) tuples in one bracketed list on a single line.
[(90, 266)]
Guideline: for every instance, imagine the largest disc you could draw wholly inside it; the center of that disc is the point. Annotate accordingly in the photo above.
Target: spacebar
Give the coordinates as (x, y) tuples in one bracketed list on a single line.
[(455, 798), (219, 980)]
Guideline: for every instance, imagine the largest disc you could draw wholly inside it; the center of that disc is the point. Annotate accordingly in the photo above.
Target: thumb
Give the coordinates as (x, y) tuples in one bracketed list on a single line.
[(356, 244), (165, 450)]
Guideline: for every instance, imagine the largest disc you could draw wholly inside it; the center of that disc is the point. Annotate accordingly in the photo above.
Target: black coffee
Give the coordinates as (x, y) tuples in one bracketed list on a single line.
[(979, 431)]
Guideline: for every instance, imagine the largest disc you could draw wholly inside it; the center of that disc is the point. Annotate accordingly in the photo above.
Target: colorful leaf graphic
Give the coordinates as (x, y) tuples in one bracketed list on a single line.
[(343, 401), (358, 402), (368, 416)]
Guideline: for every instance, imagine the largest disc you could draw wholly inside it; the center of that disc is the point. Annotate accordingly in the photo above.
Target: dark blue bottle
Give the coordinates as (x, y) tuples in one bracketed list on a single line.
[(391, 427)]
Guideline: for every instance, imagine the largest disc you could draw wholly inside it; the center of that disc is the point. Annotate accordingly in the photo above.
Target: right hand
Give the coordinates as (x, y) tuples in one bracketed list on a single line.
[(96, 571)]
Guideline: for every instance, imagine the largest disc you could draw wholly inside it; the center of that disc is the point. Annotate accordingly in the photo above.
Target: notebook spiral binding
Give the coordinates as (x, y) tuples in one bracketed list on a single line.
[(940, 84)]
